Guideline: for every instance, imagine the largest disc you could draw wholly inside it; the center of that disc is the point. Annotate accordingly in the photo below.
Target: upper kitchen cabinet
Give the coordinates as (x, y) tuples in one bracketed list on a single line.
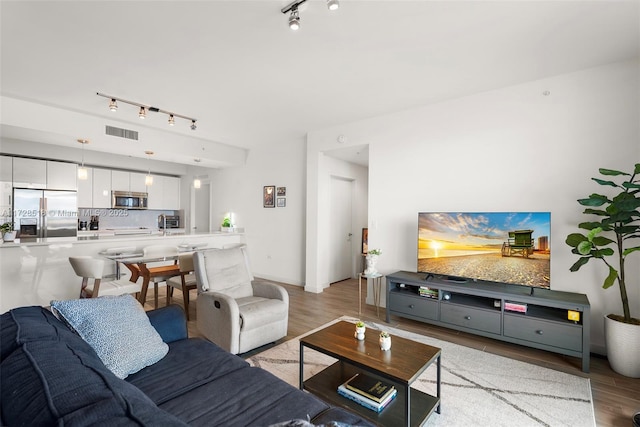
[(164, 193), (95, 191), (62, 176), (137, 182), (101, 188), (85, 190), (128, 181), (119, 181), (29, 173)]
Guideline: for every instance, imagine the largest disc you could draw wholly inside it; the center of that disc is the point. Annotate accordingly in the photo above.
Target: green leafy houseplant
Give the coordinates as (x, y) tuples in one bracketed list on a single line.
[(226, 222), (6, 227), (620, 217), (375, 252)]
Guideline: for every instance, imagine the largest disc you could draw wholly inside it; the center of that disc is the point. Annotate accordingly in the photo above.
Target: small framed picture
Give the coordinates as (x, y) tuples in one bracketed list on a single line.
[(282, 191), (269, 196), (282, 202)]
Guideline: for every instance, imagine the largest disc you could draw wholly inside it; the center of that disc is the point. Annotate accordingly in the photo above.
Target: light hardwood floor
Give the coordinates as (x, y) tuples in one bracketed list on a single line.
[(616, 398)]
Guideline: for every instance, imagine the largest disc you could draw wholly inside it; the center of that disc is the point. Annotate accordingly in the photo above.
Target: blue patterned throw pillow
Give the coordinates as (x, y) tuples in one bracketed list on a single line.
[(117, 328)]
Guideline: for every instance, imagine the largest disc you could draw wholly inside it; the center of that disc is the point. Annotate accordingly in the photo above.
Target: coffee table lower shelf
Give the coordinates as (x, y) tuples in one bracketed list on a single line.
[(325, 385)]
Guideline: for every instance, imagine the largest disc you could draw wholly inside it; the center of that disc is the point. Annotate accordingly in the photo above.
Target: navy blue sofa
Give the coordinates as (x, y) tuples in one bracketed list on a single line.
[(50, 376)]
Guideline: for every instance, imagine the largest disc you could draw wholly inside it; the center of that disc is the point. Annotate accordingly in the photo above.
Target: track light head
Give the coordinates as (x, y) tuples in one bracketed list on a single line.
[(333, 4), (143, 113), (172, 121), (294, 19), (193, 125), (113, 105)]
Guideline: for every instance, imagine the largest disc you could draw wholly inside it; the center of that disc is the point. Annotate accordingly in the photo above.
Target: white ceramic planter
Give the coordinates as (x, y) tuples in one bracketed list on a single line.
[(359, 334), (372, 260), (9, 236), (623, 347)]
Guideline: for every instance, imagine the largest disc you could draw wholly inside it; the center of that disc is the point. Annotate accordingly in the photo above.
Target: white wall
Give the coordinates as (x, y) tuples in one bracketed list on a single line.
[(512, 149), (275, 236)]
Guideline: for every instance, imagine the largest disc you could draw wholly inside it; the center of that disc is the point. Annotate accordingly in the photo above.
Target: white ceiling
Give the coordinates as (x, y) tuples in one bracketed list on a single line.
[(251, 81)]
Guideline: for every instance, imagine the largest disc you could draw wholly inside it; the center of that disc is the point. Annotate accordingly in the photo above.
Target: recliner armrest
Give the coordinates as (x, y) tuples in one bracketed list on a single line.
[(269, 290), (170, 322)]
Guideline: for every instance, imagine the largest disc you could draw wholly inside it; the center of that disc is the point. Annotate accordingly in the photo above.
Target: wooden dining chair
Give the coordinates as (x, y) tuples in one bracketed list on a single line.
[(159, 273), (185, 282)]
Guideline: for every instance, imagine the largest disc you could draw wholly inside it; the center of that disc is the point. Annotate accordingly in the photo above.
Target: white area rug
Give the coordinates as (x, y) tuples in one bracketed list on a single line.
[(478, 388)]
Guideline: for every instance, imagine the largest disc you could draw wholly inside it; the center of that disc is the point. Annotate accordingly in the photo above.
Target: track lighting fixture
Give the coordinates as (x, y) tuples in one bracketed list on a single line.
[(294, 17), (83, 173), (148, 180), (142, 112)]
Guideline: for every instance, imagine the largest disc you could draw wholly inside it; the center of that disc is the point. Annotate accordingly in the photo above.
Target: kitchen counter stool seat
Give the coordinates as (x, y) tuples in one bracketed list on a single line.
[(93, 268)]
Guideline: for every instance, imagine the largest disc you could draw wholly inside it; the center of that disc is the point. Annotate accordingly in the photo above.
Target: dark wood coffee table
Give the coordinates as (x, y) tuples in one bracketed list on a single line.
[(401, 365)]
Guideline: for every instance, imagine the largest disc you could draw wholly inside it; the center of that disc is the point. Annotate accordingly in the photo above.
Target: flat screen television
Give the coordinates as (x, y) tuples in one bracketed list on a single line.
[(503, 247)]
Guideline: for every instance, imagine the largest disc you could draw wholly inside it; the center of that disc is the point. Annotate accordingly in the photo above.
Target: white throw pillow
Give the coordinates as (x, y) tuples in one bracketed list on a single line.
[(117, 328)]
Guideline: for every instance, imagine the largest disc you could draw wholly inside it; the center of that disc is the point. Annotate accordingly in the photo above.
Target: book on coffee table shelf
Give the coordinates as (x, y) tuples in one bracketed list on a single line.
[(367, 403), (369, 387)]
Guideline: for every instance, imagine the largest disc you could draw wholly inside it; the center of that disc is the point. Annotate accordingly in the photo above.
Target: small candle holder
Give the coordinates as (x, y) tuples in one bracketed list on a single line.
[(385, 341), (360, 330)]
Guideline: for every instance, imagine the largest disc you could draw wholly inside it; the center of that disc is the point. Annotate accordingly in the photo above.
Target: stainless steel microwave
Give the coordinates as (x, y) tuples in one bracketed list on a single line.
[(129, 200)]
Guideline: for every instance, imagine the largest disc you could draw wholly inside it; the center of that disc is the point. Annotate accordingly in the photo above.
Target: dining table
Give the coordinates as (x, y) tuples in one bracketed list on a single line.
[(147, 268)]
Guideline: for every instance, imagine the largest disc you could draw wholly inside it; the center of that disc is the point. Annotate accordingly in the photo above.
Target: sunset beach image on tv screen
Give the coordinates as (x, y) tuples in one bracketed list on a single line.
[(505, 247)]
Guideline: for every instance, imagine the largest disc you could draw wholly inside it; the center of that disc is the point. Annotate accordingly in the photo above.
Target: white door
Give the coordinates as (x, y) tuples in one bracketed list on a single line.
[(201, 208), (341, 232)]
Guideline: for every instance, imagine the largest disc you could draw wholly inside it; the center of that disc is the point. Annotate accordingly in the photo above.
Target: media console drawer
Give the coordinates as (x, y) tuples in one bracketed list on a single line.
[(414, 305), (544, 332), (469, 317)]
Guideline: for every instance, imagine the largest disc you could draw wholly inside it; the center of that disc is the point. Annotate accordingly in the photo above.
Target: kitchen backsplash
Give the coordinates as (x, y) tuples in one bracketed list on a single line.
[(123, 218)]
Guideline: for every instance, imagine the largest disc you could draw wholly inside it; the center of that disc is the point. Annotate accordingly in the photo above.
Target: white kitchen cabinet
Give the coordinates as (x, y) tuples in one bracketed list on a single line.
[(128, 181), (102, 188), (171, 193), (29, 173), (85, 190), (137, 182), (120, 181), (155, 192), (164, 193), (62, 176)]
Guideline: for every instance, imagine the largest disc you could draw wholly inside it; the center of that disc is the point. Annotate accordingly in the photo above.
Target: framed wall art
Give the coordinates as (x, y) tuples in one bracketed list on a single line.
[(282, 191), (282, 202), (269, 196)]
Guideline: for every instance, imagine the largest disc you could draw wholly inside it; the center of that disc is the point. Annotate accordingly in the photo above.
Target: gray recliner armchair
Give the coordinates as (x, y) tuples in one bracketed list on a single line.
[(235, 311)]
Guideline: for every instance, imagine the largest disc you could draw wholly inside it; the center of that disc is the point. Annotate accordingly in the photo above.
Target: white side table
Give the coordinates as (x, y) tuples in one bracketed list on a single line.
[(377, 284)]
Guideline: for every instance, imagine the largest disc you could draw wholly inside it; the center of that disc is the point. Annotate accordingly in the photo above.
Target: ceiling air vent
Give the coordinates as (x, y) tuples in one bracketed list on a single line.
[(122, 133)]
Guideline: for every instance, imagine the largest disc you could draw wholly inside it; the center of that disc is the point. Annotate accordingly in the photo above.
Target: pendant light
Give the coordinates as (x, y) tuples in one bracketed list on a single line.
[(148, 180), (83, 173)]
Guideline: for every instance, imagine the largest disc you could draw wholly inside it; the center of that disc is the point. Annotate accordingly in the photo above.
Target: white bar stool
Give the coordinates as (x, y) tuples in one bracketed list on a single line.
[(93, 268)]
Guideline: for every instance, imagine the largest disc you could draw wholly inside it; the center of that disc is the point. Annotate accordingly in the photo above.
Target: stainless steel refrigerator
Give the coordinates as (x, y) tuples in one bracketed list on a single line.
[(45, 213)]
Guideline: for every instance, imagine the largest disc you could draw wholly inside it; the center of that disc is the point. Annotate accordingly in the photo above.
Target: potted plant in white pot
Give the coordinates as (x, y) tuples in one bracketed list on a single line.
[(619, 218), (8, 235), (226, 225)]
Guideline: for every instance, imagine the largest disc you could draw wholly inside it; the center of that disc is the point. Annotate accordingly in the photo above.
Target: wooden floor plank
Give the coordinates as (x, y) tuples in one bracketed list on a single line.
[(616, 398)]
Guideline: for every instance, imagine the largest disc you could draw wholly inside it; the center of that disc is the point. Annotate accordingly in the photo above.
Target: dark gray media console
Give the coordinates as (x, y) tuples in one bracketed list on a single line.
[(479, 308)]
